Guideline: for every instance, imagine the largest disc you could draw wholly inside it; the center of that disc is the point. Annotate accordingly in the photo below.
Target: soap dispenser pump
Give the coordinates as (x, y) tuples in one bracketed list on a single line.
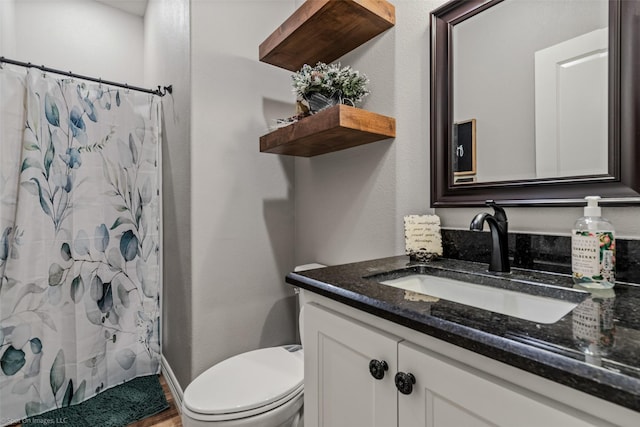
[(593, 248)]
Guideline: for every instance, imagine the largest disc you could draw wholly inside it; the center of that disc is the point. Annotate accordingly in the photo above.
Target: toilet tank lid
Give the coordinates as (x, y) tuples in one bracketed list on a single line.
[(310, 266), (247, 381)]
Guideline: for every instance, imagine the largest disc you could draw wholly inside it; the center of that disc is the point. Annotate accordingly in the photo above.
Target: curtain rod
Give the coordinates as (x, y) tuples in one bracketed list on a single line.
[(160, 91)]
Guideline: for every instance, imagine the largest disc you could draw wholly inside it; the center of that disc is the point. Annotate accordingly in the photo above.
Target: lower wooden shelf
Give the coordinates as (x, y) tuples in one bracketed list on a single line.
[(336, 128)]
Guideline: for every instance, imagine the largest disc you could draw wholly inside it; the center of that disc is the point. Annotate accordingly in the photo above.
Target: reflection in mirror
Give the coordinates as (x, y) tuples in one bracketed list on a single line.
[(533, 77), (516, 81)]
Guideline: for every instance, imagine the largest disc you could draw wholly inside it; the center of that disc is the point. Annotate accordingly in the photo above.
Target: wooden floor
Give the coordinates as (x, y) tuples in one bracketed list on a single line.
[(167, 418)]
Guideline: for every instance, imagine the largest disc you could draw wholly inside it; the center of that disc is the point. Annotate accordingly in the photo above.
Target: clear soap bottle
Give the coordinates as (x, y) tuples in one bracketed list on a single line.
[(593, 248)]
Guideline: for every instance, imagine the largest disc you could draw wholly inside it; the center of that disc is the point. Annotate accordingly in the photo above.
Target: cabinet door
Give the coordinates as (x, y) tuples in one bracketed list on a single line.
[(449, 394), (339, 390)]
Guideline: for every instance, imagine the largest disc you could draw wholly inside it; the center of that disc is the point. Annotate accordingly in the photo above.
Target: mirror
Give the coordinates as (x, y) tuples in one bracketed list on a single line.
[(539, 97), (510, 80)]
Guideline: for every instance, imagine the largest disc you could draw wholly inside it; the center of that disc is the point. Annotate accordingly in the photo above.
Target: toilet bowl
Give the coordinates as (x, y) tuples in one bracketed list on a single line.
[(260, 388)]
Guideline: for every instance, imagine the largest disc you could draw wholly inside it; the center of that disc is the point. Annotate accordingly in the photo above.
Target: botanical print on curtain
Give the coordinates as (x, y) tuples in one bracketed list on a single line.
[(79, 240)]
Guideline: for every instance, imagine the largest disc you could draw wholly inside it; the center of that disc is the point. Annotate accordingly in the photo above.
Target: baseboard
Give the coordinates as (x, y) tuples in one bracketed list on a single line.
[(173, 383)]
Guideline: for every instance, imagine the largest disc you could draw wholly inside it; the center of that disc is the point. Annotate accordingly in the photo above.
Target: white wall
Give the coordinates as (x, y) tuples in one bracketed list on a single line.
[(228, 209), (350, 204), (93, 39), (167, 61), (231, 223), (241, 199), (83, 36), (7, 29)]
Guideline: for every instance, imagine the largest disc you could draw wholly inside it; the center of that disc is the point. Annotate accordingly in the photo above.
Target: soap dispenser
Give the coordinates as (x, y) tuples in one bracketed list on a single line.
[(593, 248)]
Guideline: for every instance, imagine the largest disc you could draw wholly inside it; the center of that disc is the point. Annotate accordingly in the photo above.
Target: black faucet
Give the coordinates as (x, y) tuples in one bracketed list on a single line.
[(498, 225)]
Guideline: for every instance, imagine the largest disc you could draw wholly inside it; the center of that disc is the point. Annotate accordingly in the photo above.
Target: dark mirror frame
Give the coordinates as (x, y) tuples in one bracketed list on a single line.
[(619, 187)]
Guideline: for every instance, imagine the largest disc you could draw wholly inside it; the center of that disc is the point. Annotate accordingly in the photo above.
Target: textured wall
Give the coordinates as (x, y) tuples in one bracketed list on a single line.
[(350, 204), (242, 200), (167, 61), (234, 218), (85, 37), (228, 209), (7, 29)]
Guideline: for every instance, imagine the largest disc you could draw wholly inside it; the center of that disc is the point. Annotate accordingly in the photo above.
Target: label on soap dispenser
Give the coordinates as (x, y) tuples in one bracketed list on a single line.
[(593, 257)]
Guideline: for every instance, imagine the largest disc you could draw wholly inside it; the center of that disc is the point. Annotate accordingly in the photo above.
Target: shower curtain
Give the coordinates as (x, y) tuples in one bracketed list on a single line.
[(79, 240)]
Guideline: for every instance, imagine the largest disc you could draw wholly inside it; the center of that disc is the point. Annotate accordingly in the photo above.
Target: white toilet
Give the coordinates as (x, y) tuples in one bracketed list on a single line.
[(260, 388)]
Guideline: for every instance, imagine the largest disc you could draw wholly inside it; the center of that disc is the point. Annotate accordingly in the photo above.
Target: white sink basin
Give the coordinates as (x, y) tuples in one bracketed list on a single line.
[(535, 308)]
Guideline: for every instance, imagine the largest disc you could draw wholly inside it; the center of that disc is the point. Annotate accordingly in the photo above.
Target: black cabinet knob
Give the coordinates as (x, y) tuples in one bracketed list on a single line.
[(405, 382), (378, 368)]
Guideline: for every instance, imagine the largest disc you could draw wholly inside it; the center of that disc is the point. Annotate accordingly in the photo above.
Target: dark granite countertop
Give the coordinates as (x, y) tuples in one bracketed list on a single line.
[(594, 349)]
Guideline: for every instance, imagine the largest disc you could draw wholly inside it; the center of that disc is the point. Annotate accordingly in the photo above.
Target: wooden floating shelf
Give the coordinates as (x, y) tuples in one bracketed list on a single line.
[(324, 30), (333, 129)]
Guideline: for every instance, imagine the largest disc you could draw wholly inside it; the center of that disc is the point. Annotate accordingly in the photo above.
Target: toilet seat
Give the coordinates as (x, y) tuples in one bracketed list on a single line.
[(246, 385)]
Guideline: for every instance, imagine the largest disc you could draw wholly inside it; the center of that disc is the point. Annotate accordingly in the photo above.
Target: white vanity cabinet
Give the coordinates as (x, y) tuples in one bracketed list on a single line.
[(340, 390), (448, 394)]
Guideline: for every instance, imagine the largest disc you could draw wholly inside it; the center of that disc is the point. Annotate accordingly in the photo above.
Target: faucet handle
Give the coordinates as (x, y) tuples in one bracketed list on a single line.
[(499, 213)]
